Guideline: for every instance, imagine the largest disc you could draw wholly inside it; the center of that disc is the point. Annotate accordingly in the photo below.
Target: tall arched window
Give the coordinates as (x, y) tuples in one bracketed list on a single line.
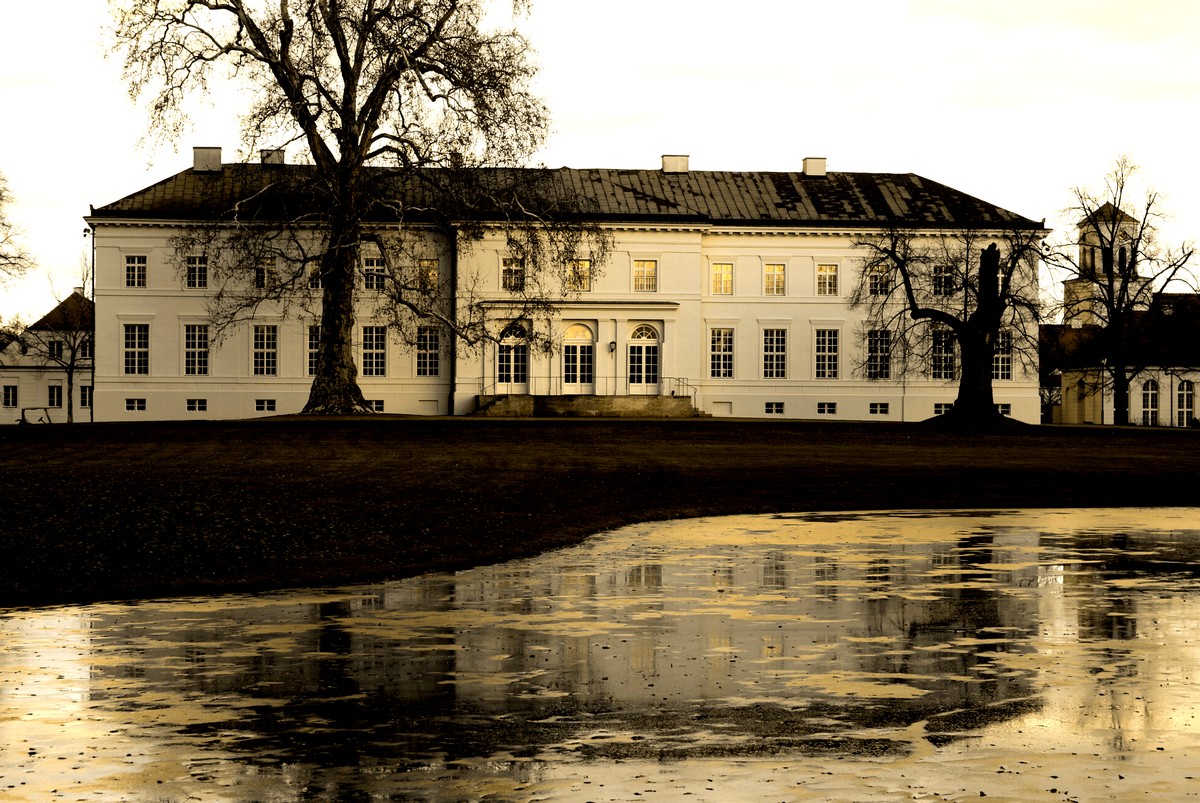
[(643, 358), (512, 356), (1150, 403), (579, 358), (1185, 408)]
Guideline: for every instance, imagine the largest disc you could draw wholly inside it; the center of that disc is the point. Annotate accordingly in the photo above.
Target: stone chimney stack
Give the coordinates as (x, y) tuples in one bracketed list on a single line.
[(814, 166), (675, 163), (206, 160)]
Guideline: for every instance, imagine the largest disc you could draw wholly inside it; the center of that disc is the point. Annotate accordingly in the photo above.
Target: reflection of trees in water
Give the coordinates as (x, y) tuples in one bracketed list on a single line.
[(952, 645)]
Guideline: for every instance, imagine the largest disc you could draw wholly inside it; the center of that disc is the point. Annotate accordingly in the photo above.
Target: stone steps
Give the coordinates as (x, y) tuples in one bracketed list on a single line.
[(517, 405)]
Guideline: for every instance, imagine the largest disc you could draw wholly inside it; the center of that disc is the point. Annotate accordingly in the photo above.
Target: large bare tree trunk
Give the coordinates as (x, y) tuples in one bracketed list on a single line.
[(975, 401), (335, 388), (1120, 381)]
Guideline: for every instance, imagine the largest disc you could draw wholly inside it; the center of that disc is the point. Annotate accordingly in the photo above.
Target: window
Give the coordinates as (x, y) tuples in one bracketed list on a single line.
[(427, 274), (879, 354), (197, 272), (579, 353), (879, 282), (643, 356), (773, 408), (374, 405), (722, 278), (10, 396), (1004, 408), (374, 351), (135, 271), (1150, 403), (512, 274), (941, 408), (827, 280), (429, 351), (85, 395), (264, 405), (314, 348), (266, 350), (512, 358), (137, 348), (774, 279), (265, 276), (645, 276), (197, 405), (943, 280), (195, 349), (55, 348), (373, 273), (314, 278), (579, 276), (135, 405), (1186, 407), (941, 358), (826, 354), (1002, 356), (826, 408), (774, 354), (85, 348), (54, 396), (721, 354), (878, 408)]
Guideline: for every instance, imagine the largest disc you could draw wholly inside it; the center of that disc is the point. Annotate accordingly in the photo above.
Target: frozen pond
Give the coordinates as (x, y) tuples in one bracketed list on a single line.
[(1030, 655)]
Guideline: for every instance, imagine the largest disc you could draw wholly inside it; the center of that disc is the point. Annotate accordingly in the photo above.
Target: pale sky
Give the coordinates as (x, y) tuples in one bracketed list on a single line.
[(1014, 102)]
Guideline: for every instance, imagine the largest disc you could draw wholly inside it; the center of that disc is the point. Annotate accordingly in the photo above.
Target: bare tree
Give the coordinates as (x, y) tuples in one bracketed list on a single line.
[(1113, 274), (949, 302), (14, 260), (397, 105)]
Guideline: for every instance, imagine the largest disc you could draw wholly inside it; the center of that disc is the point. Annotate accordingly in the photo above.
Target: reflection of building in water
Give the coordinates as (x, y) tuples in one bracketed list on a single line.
[(845, 639), (781, 625)]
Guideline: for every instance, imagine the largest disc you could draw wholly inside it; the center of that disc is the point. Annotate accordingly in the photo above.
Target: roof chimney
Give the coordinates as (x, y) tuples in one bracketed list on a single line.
[(674, 163), (814, 165), (273, 156), (206, 160)]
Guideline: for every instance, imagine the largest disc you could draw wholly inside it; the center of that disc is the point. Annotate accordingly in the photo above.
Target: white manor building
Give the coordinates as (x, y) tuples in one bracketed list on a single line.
[(729, 289)]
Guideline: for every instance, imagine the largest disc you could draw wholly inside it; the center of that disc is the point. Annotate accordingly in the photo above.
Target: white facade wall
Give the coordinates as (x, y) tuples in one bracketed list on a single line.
[(25, 384), (1174, 401), (683, 311), (230, 388)]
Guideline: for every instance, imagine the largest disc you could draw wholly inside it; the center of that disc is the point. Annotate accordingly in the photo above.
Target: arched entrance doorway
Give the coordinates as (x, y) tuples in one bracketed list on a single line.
[(643, 361), (579, 360), (512, 360)]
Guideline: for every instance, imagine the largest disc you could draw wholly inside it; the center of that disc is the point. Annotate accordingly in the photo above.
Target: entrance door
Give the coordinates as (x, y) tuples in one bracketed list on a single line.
[(643, 361), (512, 361), (579, 360)]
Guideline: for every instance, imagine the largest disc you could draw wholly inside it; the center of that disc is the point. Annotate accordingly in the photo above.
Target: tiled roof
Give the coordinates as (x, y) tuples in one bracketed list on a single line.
[(768, 199), (1166, 336), (73, 313)]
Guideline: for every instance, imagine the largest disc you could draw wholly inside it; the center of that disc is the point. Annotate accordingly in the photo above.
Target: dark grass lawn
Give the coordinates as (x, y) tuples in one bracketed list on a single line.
[(117, 511)]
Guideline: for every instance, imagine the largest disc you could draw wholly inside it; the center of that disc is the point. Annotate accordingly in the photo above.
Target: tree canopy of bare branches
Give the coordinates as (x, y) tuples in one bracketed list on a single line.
[(1114, 270), (14, 259), (381, 95), (949, 299)]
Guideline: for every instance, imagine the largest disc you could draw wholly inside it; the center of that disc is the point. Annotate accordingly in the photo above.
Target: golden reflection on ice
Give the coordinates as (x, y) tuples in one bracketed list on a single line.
[(910, 655)]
